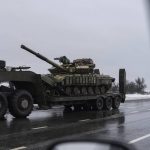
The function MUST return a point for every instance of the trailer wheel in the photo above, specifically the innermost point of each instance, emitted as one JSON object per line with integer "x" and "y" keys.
{"x": 116, "y": 102}
{"x": 3, "y": 105}
{"x": 108, "y": 103}
{"x": 21, "y": 104}
{"x": 99, "y": 104}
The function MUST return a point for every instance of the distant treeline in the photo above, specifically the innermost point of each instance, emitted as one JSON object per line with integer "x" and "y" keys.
{"x": 137, "y": 86}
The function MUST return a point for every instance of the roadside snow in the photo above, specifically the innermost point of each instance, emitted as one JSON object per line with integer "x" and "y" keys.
{"x": 137, "y": 96}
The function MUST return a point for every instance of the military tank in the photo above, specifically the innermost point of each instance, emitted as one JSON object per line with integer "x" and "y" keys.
{"x": 76, "y": 78}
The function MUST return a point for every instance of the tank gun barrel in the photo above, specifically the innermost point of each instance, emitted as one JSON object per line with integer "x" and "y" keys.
{"x": 42, "y": 57}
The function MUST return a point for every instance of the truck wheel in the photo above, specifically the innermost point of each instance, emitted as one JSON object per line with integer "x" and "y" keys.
{"x": 116, "y": 102}
{"x": 99, "y": 104}
{"x": 21, "y": 104}
{"x": 3, "y": 105}
{"x": 108, "y": 103}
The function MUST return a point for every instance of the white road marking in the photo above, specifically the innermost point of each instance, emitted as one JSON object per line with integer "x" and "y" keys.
{"x": 19, "y": 148}
{"x": 134, "y": 112}
{"x": 148, "y": 109}
{"x": 139, "y": 139}
{"x": 84, "y": 120}
{"x": 40, "y": 128}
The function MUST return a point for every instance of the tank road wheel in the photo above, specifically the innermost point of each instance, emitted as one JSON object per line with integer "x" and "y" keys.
{"x": 102, "y": 89}
{"x": 68, "y": 91}
{"x": 76, "y": 91}
{"x": 97, "y": 91}
{"x": 84, "y": 91}
{"x": 116, "y": 102}
{"x": 108, "y": 103}
{"x": 21, "y": 104}
{"x": 90, "y": 91}
{"x": 3, "y": 105}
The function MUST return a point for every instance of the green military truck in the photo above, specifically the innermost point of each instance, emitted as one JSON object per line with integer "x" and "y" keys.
{"x": 75, "y": 85}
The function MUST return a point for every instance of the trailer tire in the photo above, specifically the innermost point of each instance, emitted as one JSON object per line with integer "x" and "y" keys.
{"x": 99, "y": 104}
{"x": 21, "y": 104}
{"x": 108, "y": 103}
{"x": 116, "y": 102}
{"x": 3, "y": 105}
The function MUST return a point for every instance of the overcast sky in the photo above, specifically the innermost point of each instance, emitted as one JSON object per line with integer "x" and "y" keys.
{"x": 114, "y": 33}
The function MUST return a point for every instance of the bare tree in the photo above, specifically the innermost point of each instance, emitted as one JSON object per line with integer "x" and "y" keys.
{"x": 115, "y": 87}
{"x": 140, "y": 85}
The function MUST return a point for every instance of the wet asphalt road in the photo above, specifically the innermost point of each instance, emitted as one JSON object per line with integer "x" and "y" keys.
{"x": 131, "y": 123}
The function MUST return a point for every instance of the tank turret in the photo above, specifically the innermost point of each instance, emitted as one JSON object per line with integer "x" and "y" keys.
{"x": 80, "y": 66}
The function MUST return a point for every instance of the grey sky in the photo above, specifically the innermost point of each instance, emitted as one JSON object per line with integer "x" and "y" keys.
{"x": 112, "y": 32}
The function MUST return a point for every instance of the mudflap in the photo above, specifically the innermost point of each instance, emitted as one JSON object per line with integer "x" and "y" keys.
{"x": 122, "y": 84}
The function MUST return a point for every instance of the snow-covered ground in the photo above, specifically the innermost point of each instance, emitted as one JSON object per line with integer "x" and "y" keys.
{"x": 137, "y": 96}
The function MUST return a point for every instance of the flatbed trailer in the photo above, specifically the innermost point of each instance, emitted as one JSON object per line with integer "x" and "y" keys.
{"x": 83, "y": 99}
{"x": 87, "y": 103}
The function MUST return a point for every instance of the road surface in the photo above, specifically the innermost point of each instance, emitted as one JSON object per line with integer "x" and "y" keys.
{"x": 131, "y": 123}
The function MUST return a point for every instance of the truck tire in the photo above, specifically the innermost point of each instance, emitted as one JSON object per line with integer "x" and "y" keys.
{"x": 108, "y": 103}
{"x": 116, "y": 102}
{"x": 21, "y": 104}
{"x": 3, "y": 105}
